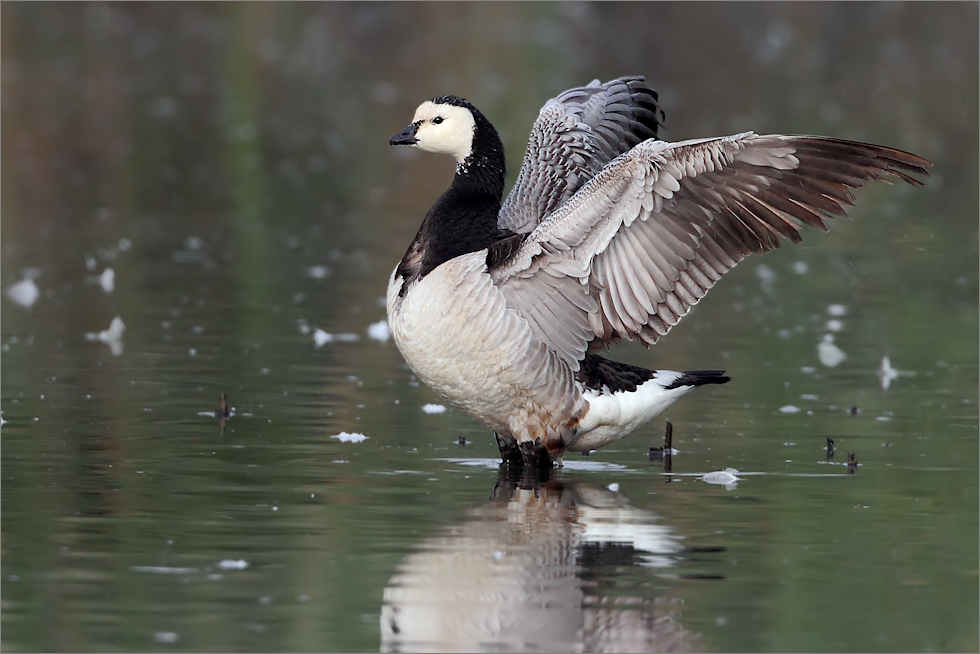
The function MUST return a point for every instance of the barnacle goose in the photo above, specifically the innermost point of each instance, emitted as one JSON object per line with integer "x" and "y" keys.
{"x": 608, "y": 233}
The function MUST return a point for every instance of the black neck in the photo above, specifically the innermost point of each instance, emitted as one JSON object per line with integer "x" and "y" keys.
{"x": 484, "y": 170}
{"x": 464, "y": 218}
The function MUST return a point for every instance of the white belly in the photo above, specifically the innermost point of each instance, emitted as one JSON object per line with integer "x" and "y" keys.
{"x": 451, "y": 328}
{"x": 458, "y": 335}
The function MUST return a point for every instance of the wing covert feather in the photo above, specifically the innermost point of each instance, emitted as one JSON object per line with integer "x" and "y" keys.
{"x": 635, "y": 247}
{"x": 575, "y": 135}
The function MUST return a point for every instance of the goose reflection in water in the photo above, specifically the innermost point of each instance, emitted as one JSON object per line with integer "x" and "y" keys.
{"x": 524, "y": 573}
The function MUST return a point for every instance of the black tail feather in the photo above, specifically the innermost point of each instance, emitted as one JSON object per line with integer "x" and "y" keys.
{"x": 596, "y": 372}
{"x": 700, "y": 378}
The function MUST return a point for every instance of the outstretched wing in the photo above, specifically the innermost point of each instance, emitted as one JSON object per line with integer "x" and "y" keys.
{"x": 574, "y": 137}
{"x": 644, "y": 240}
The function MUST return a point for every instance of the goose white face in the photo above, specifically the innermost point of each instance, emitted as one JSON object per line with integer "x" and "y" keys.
{"x": 445, "y": 128}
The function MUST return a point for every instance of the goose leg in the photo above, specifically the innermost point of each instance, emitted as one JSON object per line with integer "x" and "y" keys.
{"x": 510, "y": 452}
{"x": 536, "y": 455}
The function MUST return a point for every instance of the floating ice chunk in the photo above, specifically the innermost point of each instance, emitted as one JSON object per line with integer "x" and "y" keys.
{"x": 434, "y": 408}
{"x": 318, "y": 272}
{"x": 107, "y": 280}
{"x": 233, "y": 564}
{"x": 837, "y": 310}
{"x": 789, "y": 408}
{"x": 829, "y": 354}
{"x": 166, "y": 637}
{"x": 801, "y": 267}
{"x": 727, "y": 478}
{"x": 614, "y": 487}
{"x": 835, "y": 325}
{"x": 345, "y": 437}
{"x": 111, "y": 337}
{"x": 379, "y": 331}
{"x": 886, "y": 373}
{"x": 24, "y": 293}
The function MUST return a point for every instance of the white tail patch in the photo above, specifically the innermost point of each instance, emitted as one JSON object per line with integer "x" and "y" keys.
{"x": 613, "y": 415}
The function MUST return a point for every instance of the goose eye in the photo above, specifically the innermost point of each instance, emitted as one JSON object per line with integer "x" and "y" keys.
{"x": 437, "y": 120}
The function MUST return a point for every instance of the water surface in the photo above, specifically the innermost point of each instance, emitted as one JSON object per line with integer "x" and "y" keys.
{"x": 229, "y": 164}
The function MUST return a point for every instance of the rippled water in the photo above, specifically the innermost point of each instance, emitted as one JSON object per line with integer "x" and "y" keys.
{"x": 229, "y": 165}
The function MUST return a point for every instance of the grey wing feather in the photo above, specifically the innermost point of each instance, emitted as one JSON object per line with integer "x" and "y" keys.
{"x": 575, "y": 136}
{"x": 643, "y": 241}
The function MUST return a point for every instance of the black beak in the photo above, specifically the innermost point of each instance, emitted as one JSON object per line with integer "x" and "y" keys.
{"x": 406, "y": 136}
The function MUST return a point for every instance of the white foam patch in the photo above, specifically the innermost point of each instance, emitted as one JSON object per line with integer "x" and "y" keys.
{"x": 475, "y": 463}
{"x": 107, "y": 280}
{"x": 434, "y": 408}
{"x": 379, "y": 331}
{"x": 321, "y": 338}
{"x": 24, "y": 293}
{"x": 111, "y": 336}
{"x": 789, "y": 408}
{"x": 829, "y": 354}
{"x": 233, "y": 564}
{"x": 837, "y": 310}
{"x": 590, "y": 465}
{"x": 318, "y": 272}
{"x": 346, "y": 437}
{"x": 163, "y": 570}
{"x": 886, "y": 373}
